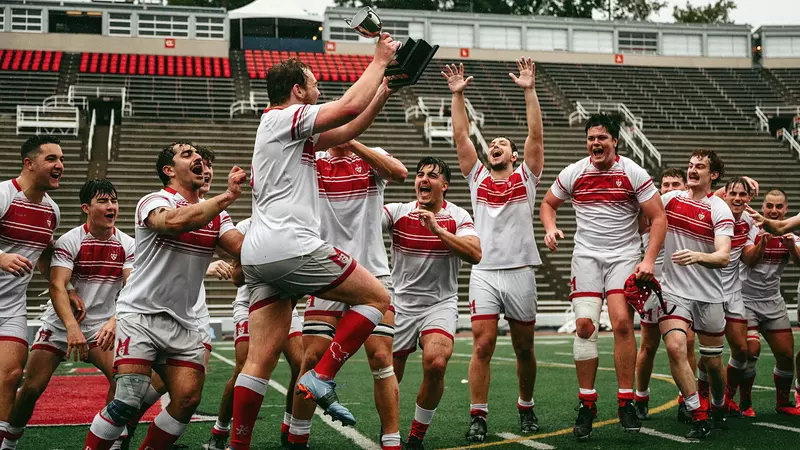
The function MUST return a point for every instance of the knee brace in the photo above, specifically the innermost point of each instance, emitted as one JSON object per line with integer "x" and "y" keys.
{"x": 131, "y": 389}
{"x": 711, "y": 351}
{"x": 752, "y": 335}
{"x": 319, "y": 329}
{"x": 383, "y": 330}
{"x": 380, "y": 374}
{"x": 586, "y": 308}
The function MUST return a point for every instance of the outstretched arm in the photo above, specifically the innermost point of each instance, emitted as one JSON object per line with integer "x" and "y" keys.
{"x": 467, "y": 156}
{"x": 352, "y": 130}
{"x": 387, "y": 167}
{"x": 534, "y": 143}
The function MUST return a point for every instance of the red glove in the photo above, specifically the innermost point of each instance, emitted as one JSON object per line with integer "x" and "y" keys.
{"x": 637, "y": 292}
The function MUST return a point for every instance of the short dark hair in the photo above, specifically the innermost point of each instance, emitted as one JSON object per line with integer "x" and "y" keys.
{"x": 739, "y": 180}
{"x": 674, "y": 172}
{"x": 33, "y": 143}
{"x": 206, "y": 153}
{"x": 94, "y": 187}
{"x": 282, "y": 77}
{"x": 775, "y": 191}
{"x": 715, "y": 163}
{"x": 443, "y": 167}
{"x": 603, "y": 120}
{"x": 165, "y": 158}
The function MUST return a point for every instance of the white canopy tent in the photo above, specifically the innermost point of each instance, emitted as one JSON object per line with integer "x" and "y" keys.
{"x": 267, "y": 9}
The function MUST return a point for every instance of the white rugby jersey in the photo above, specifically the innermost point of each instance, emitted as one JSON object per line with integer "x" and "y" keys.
{"x": 96, "y": 267}
{"x": 659, "y": 264}
{"x": 285, "y": 194}
{"x": 693, "y": 225}
{"x": 169, "y": 270}
{"x": 503, "y": 211}
{"x": 606, "y": 204}
{"x": 351, "y": 208}
{"x": 241, "y": 304}
{"x": 424, "y": 269}
{"x": 26, "y": 228}
{"x": 744, "y": 230}
{"x": 763, "y": 282}
{"x": 200, "y": 306}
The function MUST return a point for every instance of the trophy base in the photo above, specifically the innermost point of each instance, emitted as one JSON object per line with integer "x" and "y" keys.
{"x": 410, "y": 62}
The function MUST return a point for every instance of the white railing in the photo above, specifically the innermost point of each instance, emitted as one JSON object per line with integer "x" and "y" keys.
{"x": 479, "y": 137}
{"x": 91, "y": 135}
{"x": 51, "y": 120}
{"x": 582, "y": 113}
{"x": 793, "y": 110}
{"x": 64, "y": 100}
{"x": 77, "y": 90}
{"x": 763, "y": 120}
{"x": 257, "y": 100}
{"x": 786, "y": 136}
{"x": 110, "y": 135}
{"x": 438, "y": 128}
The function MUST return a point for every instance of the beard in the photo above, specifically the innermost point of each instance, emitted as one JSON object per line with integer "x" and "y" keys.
{"x": 500, "y": 166}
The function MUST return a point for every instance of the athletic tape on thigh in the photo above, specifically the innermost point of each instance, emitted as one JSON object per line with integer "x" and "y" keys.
{"x": 131, "y": 389}
{"x": 711, "y": 351}
{"x": 586, "y": 308}
{"x": 319, "y": 329}
{"x": 383, "y": 330}
{"x": 380, "y": 374}
{"x": 752, "y": 335}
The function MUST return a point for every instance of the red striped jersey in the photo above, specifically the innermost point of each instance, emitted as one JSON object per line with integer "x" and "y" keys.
{"x": 168, "y": 270}
{"x": 285, "y": 194}
{"x": 424, "y": 269}
{"x": 763, "y": 282}
{"x": 606, "y": 204}
{"x": 26, "y": 228}
{"x": 744, "y": 229}
{"x": 504, "y": 211}
{"x": 97, "y": 267}
{"x": 694, "y": 225}
{"x": 351, "y": 207}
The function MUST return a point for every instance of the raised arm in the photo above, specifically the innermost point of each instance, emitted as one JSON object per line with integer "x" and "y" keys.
{"x": 534, "y": 143}
{"x": 387, "y": 167}
{"x": 775, "y": 227}
{"x": 198, "y": 215}
{"x": 361, "y": 93}
{"x": 354, "y": 129}
{"x": 752, "y": 254}
{"x": 467, "y": 156}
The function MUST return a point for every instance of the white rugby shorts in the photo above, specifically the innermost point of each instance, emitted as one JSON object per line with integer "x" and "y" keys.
{"x": 508, "y": 291}
{"x": 148, "y": 339}
{"x": 54, "y": 339}
{"x": 440, "y": 318}
{"x": 14, "y": 329}
{"x": 599, "y": 276}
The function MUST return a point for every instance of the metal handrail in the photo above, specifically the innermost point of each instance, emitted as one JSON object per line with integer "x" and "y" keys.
{"x": 479, "y": 137}
{"x": 786, "y": 135}
{"x": 110, "y": 134}
{"x": 91, "y": 135}
{"x": 77, "y": 90}
{"x": 51, "y": 119}
{"x": 581, "y": 114}
{"x": 763, "y": 120}
{"x": 637, "y": 152}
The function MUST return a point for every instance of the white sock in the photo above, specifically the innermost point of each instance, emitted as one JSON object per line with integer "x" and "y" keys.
{"x": 222, "y": 426}
{"x": 370, "y": 312}
{"x": 169, "y": 424}
{"x": 255, "y": 384}
{"x": 479, "y": 407}
{"x": 701, "y": 375}
{"x": 692, "y": 402}
{"x": 645, "y": 393}
{"x": 523, "y": 403}
{"x": 587, "y": 391}
{"x": 287, "y": 418}
{"x": 299, "y": 427}
{"x": 104, "y": 429}
{"x": 391, "y": 440}
{"x": 424, "y": 416}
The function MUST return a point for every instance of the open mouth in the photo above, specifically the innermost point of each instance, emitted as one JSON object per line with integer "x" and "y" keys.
{"x": 206, "y": 180}
{"x": 55, "y": 175}
{"x": 497, "y": 154}
{"x": 597, "y": 152}
{"x": 425, "y": 189}
{"x": 197, "y": 169}
{"x": 111, "y": 216}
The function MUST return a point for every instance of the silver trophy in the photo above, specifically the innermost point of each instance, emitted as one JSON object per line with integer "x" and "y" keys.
{"x": 409, "y": 62}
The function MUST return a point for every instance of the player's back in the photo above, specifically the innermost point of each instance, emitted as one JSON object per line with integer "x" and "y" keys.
{"x": 285, "y": 194}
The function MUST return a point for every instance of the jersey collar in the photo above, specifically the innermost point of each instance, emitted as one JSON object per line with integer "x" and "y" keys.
{"x": 16, "y": 184}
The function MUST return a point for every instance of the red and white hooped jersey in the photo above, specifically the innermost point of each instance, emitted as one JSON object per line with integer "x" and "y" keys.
{"x": 351, "y": 208}
{"x": 606, "y": 204}
{"x": 504, "y": 211}
{"x": 744, "y": 230}
{"x": 168, "y": 270}
{"x": 424, "y": 269}
{"x": 763, "y": 282}
{"x": 26, "y": 228}
{"x": 97, "y": 267}
{"x": 694, "y": 225}
{"x": 285, "y": 193}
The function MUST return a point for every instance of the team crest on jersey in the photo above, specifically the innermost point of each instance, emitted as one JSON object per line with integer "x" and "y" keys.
{"x": 114, "y": 256}
{"x": 619, "y": 182}
{"x": 44, "y": 335}
{"x": 701, "y": 216}
{"x": 49, "y": 223}
{"x": 359, "y": 169}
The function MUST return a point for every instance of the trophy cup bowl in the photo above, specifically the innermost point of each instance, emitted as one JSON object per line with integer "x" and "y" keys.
{"x": 366, "y": 23}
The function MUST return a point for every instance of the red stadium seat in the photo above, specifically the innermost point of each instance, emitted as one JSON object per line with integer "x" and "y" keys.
{"x": 104, "y": 63}
{"x": 36, "y": 62}
{"x": 171, "y": 65}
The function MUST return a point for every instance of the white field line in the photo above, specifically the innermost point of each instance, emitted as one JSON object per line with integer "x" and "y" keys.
{"x": 671, "y": 437}
{"x": 530, "y": 443}
{"x": 777, "y": 427}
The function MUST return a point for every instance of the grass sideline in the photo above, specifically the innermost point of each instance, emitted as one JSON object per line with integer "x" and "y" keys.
{"x": 556, "y": 398}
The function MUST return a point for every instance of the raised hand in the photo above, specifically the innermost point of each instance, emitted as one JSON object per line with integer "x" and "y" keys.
{"x": 455, "y": 78}
{"x": 235, "y": 180}
{"x": 385, "y": 49}
{"x": 527, "y": 73}
{"x": 428, "y": 220}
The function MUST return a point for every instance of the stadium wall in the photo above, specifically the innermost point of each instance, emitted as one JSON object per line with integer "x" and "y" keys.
{"x": 111, "y": 44}
{"x": 451, "y": 53}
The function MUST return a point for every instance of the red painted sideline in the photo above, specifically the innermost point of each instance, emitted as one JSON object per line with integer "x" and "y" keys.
{"x": 74, "y": 400}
